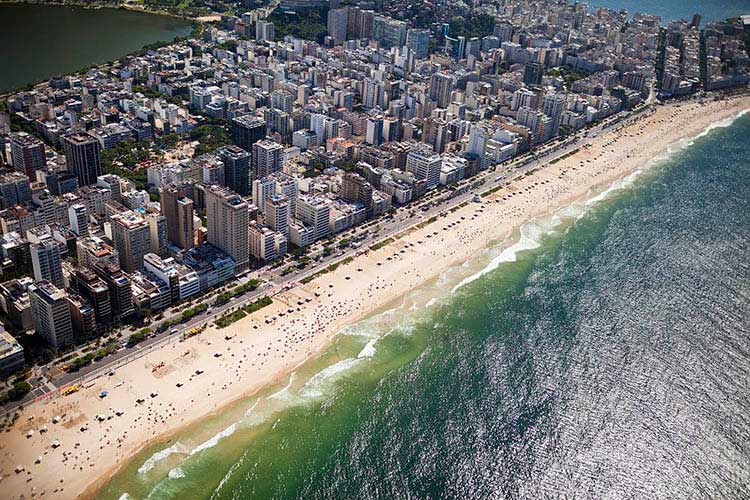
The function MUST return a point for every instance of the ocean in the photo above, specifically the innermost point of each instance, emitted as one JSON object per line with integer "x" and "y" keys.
{"x": 710, "y": 10}
{"x": 603, "y": 354}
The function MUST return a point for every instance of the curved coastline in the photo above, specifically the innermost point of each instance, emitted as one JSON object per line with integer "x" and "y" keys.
{"x": 564, "y": 184}
{"x": 594, "y": 192}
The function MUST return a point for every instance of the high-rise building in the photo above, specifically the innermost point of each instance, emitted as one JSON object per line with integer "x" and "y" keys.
{"x": 356, "y": 189}
{"x": 282, "y": 100}
{"x": 49, "y": 308}
{"x": 533, "y": 73}
{"x": 236, "y": 168}
{"x": 277, "y": 214}
{"x": 441, "y": 87}
{"x": 264, "y": 31}
{"x": 212, "y": 170}
{"x": 391, "y": 129}
{"x": 177, "y": 208}
{"x": 78, "y": 217}
{"x": 425, "y": 164}
{"x": 373, "y": 94}
{"x": 268, "y": 157}
{"x": 389, "y": 32}
{"x": 95, "y": 291}
{"x": 132, "y": 238}
{"x": 536, "y": 121}
{"x": 82, "y": 317}
{"x": 553, "y": 106}
{"x": 266, "y": 244}
{"x": 113, "y": 183}
{"x": 262, "y": 190}
{"x": 83, "y": 156}
{"x": 315, "y": 212}
{"x": 337, "y": 24}
{"x": 27, "y": 154}
{"x": 524, "y": 98}
{"x": 120, "y": 288}
{"x": 418, "y": 41}
{"x": 15, "y": 189}
{"x": 478, "y": 139}
{"x": 227, "y": 218}
{"x": 158, "y": 232}
{"x": 246, "y": 131}
{"x": 374, "y": 135}
{"x": 46, "y": 262}
{"x": 93, "y": 250}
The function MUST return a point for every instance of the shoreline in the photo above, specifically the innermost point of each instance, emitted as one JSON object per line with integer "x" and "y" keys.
{"x": 28, "y": 86}
{"x": 415, "y": 258}
{"x": 103, "y": 5}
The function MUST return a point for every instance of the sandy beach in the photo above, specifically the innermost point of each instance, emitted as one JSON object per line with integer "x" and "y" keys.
{"x": 255, "y": 353}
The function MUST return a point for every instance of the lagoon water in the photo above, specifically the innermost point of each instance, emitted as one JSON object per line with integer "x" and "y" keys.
{"x": 40, "y": 41}
{"x": 604, "y": 355}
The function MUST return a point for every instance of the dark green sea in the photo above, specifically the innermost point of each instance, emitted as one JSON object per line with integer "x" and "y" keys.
{"x": 604, "y": 354}
{"x": 40, "y": 41}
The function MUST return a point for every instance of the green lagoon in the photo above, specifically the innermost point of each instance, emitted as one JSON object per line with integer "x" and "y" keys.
{"x": 40, "y": 41}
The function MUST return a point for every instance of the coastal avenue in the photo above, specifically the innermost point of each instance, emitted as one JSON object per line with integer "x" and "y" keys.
{"x": 45, "y": 384}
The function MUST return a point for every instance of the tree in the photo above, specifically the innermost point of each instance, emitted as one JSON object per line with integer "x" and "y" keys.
{"x": 210, "y": 138}
{"x": 19, "y": 390}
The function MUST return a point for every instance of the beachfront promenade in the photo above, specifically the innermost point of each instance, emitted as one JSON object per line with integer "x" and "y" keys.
{"x": 49, "y": 386}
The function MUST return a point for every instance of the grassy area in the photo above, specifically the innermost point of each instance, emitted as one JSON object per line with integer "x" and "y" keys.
{"x": 79, "y": 362}
{"x": 378, "y": 246}
{"x": 237, "y": 315}
{"x": 186, "y": 315}
{"x": 230, "y": 318}
{"x": 238, "y": 290}
{"x": 328, "y": 269}
{"x": 569, "y": 153}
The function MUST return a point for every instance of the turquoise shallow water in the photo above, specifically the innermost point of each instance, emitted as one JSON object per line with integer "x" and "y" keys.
{"x": 611, "y": 361}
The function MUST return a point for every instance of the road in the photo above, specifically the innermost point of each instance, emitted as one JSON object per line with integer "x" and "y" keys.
{"x": 50, "y": 378}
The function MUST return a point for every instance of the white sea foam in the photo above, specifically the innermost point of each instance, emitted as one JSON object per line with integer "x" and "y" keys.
{"x": 161, "y": 455}
{"x": 368, "y": 350}
{"x": 316, "y": 385}
{"x": 722, "y": 123}
{"x": 229, "y": 473}
{"x": 214, "y": 440}
{"x": 176, "y": 473}
{"x": 531, "y": 235}
{"x": 250, "y": 410}
{"x": 284, "y": 390}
